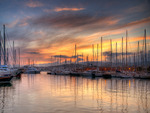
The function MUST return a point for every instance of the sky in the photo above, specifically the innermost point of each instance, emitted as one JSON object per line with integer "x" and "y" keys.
{"x": 45, "y": 28}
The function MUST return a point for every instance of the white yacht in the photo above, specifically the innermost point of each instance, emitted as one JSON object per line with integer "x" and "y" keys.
{"x": 5, "y": 73}
{"x": 32, "y": 70}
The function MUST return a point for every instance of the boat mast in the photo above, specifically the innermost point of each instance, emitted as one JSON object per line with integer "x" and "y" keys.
{"x": 101, "y": 51}
{"x": 60, "y": 59}
{"x": 122, "y": 51}
{"x": 33, "y": 62}
{"x": 87, "y": 59}
{"x": 29, "y": 61}
{"x": 111, "y": 51}
{"x": 0, "y": 47}
{"x": 134, "y": 61}
{"x": 138, "y": 53}
{"x": 19, "y": 57}
{"x": 75, "y": 53}
{"x": 126, "y": 46}
{"x": 97, "y": 54}
{"x": 7, "y": 55}
{"x": 13, "y": 55}
{"x": 145, "y": 48}
{"x": 93, "y": 51}
{"x": 116, "y": 54}
{"x": 4, "y": 45}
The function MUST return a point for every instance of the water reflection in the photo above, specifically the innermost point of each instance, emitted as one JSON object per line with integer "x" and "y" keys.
{"x": 104, "y": 95}
{"x": 61, "y": 94}
{"x": 4, "y": 95}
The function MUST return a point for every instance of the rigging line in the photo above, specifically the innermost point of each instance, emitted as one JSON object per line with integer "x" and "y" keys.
{"x": 9, "y": 46}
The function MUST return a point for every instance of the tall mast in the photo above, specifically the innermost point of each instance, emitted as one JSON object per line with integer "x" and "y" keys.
{"x": 7, "y": 56}
{"x": 138, "y": 53}
{"x": 126, "y": 46}
{"x": 51, "y": 61}
{"x": 33, "y": 62}
{"x": 134, "y": 60}
{"x": 111, "y": 51}
{"x": 97, "y": 54}
{"x": 19, "y": 57}
{"x": 60, "y": 59}
{"x": 87, "y": 59}
{"x": 13, "y": 55}
{"x": 0, "y": 48}
{"x": 122, "y": 51}
{"x": 145, "y": 48}
{"x": 93, "y": 51}
{"x": 101, "y": 50}
{"x": 75, "y": 53}
{"x": 4, "y": 46}
{"x": 82, "y": 58}
{"x": 77, "y": 58}
{"x": 116, "y": 53}
{"x": 29, "y": 61}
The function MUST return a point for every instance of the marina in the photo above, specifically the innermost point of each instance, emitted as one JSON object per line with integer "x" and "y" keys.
{"x": 107, "y": 86}
{"x": 74, "y": 56}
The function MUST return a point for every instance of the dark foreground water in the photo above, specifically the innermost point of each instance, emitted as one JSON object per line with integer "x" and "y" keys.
{"x": 44, "y": 93}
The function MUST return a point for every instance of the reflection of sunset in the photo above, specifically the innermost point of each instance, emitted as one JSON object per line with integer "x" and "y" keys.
{"x": 86, "y": 92}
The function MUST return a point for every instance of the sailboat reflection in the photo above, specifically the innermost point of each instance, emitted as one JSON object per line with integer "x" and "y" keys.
{"x": 4, "y": 89}
{"x": 104, "y": 95}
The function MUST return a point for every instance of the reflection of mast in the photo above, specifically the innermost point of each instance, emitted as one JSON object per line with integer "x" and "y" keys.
{"x": 116, "y": 95}
{"x": 101, "y": 97}
{"x": 122, "y": 96}
{"x": 126, "y": 98}
{"x": 146, "y": 99}
{"x": 3, "y": 101}
{"x": 111, "y": 96}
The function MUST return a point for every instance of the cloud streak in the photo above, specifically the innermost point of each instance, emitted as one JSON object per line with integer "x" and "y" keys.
{"x": 58, "y": 9}
{"x": 33, "y": 4}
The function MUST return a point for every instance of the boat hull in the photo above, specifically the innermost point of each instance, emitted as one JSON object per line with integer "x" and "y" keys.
{"x": 6, "y": 78}
{"x": 32, "y": 72}
{"x": 106, "y": 75}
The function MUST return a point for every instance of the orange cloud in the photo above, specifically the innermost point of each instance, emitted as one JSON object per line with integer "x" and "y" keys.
{"x": 34, "y": 4}
{"x": 67, "y": 9}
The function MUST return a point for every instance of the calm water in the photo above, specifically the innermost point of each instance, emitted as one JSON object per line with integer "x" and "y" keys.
{"x": 44, "y": 93}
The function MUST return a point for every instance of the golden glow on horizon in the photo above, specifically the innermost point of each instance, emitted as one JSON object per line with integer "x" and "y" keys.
{"x": 68, "y": 50}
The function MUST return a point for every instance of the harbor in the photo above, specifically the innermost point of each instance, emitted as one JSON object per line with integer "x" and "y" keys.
{"x": 74, "y": 56}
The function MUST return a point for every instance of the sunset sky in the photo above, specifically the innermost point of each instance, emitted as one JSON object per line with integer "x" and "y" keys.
{"x": 45, "y": 28}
